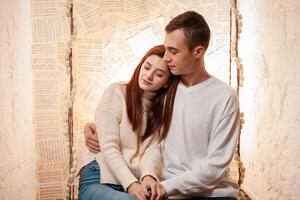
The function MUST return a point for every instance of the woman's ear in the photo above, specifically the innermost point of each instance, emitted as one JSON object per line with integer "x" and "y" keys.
{"x": 199, "y": 51}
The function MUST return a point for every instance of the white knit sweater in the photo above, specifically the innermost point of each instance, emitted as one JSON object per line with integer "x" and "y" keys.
{"x": 122, "y": 160}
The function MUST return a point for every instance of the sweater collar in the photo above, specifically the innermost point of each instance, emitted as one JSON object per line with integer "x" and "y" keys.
{"x": 196, "y": 86}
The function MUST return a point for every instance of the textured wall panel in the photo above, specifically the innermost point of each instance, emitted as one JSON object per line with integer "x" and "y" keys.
{"x": 17, "y": 141}
{"x": 270, "y": 142}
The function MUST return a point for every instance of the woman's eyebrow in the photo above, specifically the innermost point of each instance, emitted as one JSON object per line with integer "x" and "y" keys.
{"x": 161, "y": 70}
{"x": 147, "y": 62}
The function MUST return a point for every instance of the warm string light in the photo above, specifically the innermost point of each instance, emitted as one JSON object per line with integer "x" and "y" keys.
{"x": 69, "y": 102}
{"x": 68, "y": 113}
{"x": 237, "y": 17}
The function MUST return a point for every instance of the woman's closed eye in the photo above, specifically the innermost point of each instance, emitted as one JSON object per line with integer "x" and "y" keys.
{"x": 147, "y": 67}
{"x": 159, "y": 74}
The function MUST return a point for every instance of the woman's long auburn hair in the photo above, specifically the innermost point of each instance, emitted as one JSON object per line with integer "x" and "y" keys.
{"x": 160, "y": 112}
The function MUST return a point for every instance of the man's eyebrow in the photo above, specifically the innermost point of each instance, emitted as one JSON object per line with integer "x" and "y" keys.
{"x": 172, "y": 48}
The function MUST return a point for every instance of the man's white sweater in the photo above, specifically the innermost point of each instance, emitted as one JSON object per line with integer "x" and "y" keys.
{"x": 201, "y": 141}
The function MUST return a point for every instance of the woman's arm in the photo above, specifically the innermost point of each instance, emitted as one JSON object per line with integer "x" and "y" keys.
{"x": 108, "y": 118}
{"x": 151, "y": 159}
{"x": 149, "y": 164}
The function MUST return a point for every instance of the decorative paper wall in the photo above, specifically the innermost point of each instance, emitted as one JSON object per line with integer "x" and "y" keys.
{"x": 111, "y": 37}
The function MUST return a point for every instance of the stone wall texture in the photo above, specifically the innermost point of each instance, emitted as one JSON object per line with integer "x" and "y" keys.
{"x": 17, "y": 145}
{"x": 270, "y": 141}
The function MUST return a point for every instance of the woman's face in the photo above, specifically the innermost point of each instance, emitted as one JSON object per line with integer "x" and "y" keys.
{"x": 154, "y": 74}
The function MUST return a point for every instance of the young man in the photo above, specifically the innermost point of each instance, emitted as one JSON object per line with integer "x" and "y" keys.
{"x": 205, "y": 123}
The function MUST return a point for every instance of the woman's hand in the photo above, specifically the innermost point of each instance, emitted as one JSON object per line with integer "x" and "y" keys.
{"x": 136, "y": 190}
{"x": 153, "y": 188}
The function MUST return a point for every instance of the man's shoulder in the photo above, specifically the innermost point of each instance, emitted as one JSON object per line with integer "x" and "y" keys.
{"x": 219, "y": 84}
{"x": 222, "y": 92}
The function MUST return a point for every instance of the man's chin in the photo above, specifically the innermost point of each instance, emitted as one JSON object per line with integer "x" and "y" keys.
{"x": 175, "y": 73}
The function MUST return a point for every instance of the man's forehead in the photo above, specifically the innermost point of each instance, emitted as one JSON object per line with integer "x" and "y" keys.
{"x": 174, "y": 39}
{"x": 170, "y": 40}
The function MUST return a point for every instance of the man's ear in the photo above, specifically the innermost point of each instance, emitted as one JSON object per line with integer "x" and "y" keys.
{"x": 199, "y": 51}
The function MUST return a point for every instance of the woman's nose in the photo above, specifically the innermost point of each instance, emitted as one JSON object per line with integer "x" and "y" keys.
{"x": 150, "y": 76}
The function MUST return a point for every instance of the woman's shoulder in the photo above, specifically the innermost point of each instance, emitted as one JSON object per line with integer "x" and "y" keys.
{"x": 117, "y": 86}
{"x": 115, "y": 89}
{"x": 113, "y": 96}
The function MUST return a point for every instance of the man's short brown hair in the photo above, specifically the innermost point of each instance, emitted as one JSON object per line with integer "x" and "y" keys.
{"x": 195, "y": 28}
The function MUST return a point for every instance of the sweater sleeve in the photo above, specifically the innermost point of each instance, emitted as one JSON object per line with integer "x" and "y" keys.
{"x": 108, "y": 118}
{"x": 150, "y": 159}
{"x": 209, "y": 170}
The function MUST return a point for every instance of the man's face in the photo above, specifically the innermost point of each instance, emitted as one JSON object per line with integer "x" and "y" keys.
{"x": 179, "y": 58}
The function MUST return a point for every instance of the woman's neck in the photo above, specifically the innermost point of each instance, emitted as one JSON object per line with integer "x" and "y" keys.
{"x": 149, "y": 95}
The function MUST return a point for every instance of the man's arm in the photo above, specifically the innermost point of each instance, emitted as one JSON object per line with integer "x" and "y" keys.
{"x": 148, "y": 164}
{"x": 91, "y": 138}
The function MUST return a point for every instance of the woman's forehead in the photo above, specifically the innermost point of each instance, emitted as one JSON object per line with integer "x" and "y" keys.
{"x": 157, "y": 62}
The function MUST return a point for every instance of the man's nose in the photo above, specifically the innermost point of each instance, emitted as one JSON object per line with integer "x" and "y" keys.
{"x": 166, "y": 58}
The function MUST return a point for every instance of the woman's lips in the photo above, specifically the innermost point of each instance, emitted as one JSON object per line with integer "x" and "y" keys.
{"x": 147, "y": 82}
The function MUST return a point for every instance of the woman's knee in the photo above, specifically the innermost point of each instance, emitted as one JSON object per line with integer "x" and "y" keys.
{"x": 102, "y": 192}
{"x": 90, "y": 192}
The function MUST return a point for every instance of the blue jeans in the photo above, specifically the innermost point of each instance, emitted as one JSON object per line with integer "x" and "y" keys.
{"x": 209, "y": 198}
{"x": 90, "y": 187}
{"x": 212, "y": 198}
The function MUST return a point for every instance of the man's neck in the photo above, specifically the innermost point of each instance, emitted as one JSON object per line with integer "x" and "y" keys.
{"x": 199, "y": 75}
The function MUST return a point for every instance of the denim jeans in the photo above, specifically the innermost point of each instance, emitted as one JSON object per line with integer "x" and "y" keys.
{"x": 212, "y": 198}
{"x": 209, "y": 198}
{"x": 90, "y": 187}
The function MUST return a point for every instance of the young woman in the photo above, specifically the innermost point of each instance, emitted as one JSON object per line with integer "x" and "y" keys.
{"x": 132, "y": 119}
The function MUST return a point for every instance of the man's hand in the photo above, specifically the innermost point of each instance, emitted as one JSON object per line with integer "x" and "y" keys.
{"x": 162, "y": 190}
{"x": 91, "y": 138}
{"x": 156, "y": 190}
{"x": 136, "y": 190}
